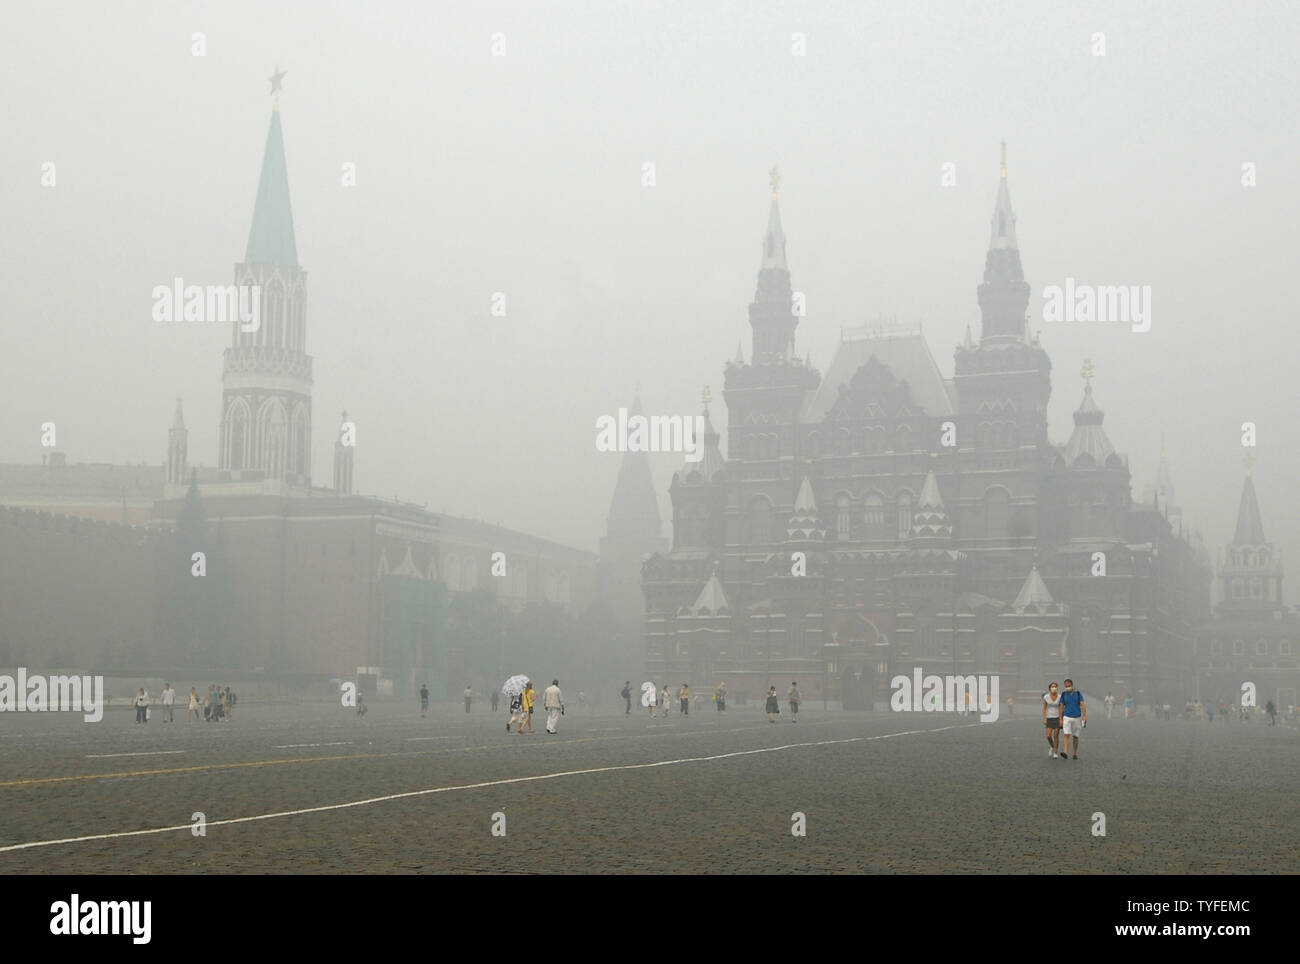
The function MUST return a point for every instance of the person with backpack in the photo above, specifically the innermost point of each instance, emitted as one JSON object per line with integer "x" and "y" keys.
{"x": 1074, "y": 717}
{"x": 627, "y": 696}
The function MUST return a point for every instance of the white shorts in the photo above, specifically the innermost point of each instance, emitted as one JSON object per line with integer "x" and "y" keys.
{"x": 1072, "y": 725}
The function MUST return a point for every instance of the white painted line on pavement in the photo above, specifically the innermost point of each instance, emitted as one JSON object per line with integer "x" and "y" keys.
{"x": 477, "y": 786}
{"x": 294, "y": 746}
{"x": 105, "y": 756}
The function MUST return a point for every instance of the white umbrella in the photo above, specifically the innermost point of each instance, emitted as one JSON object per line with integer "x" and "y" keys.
{"x": 647, "y": 694}
{"x": 514, "y": 686}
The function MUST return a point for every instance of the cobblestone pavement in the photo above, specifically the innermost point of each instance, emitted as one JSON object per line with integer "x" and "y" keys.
{"x": 902, "y": 793}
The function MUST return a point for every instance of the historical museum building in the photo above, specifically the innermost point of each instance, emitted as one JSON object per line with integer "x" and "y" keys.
{"x": 880, "y": 518}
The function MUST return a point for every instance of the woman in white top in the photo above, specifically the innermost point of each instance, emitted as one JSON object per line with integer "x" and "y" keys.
{"x": 194, "y": 704}
{"x": 1052, "y": 719}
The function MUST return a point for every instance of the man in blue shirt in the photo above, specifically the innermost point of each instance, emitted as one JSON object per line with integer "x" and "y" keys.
{"x": 1074, "y": 717}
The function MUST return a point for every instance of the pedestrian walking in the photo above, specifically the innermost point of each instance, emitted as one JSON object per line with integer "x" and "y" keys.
{"x": 1074, "y": 717}
{"x": 228, "y": 705}
{"x": 496, "y": 700}
{"x": 582, "y": 698}
{"x": 1128, "y": 707}
{"x": 664, "y": 699}
{"x": 194, "y": 705}
{"x": 720, "y": 697}
{"x": 1169, "y": 712}
{"x": 773, "y": 707}
{"x": 468, "y": 695}
{"x": 361, "y": 704}
{"x": 627, "y": 696}
{"x": 553, "y": 701}
{"x": 794, "y": 699}
{"x": 1271, "y": 710}
{"x": 1110, "y": 704}
{"x": 526, "y": 698}
{"x": 168, "y": 702}
{"x": 684, "y": 694}
{"x": 142, "y": 706}
{"x": 1052, "y": 718}
{"x": 1011, "y": 707}
{"x": 424, "y": 700}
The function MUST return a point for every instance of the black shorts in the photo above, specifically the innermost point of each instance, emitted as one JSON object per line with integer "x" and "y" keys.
{"x": 1054, "y": 724}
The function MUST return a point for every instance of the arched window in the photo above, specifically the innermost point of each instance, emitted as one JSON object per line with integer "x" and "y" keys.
{"x": 760, "y": 521}
{"x": 873, "y": 516}
{"x": 997, "y": 509}
{"x": 843, "y": 441}
{"x": 843, "y": 518}
{"x": 903, "y": 439}
{"x": 238, "y": 435}
{"x": 904, "y": 515}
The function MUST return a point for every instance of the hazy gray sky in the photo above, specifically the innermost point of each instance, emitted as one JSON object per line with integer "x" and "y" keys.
{"x": 522, "y": 174}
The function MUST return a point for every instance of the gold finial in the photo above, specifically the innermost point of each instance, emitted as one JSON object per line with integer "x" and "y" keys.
{"x": 1088, "y": 372}
{"x": 774, "y": 176}
{"x": 1250, "y": 464}
{"x": 1004, "y": 160}
{"x": 706, "y": 396}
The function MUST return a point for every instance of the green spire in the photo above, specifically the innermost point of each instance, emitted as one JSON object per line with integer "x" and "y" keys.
{"x": 271, "y": 239}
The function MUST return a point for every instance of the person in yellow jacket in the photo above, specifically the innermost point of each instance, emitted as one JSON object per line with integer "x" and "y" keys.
{"x": 526, "y": 700}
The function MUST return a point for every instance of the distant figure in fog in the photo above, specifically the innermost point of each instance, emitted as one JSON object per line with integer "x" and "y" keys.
{"x": 469, "y": 695}
{"x": 424, "y": 700}
{"x": 720, "y": 697}
{"x": 1110, "y": 704}
{"x": 773, "y": 707}
{"x": 627, "y": 697}
{"x": 168, "y": 702}
{"x": 194, "y": 705}
{"x": 142, "y": 706}
{"x": 794, "y": 699}
{"x": 361, "y": 704}
{"x": 553, "y": 701}
{"x": 1271, "y": 710}
{"x": 1128, "y": 707}
{"x": 495, "y": 700}
{"x": 684, "y": 694}
{"x": 1169, "y": 711}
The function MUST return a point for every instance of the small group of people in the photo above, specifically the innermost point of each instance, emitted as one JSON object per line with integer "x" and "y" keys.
{"x": 1064, "y": 715}
{"x": 774, "y": 707}
{"x": 521, "y": 708}
{"x": 217, "y": 706}
{"x": 664, "y": 699}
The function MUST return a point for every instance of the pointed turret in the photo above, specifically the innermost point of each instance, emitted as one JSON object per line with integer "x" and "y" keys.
{"x": 805, "y": 523}
{"x": 771, "y": 314}
{"x": 930, "y": 521}
{"x": 707, "y": 458}
{"x": 1033, "y": 594}
{"x": 1088, "y": 446}
{"x": 267, "y": 376}
{"x": 634, "y": 508}
{"x": 712, "y": 601}
{"x": 1004, "y": 295}
{"x": 1251, "y": 575}
{"x": 177, "y": 445}
{"x": 1250, "y": 526}
{"x": 271, "y": 240}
